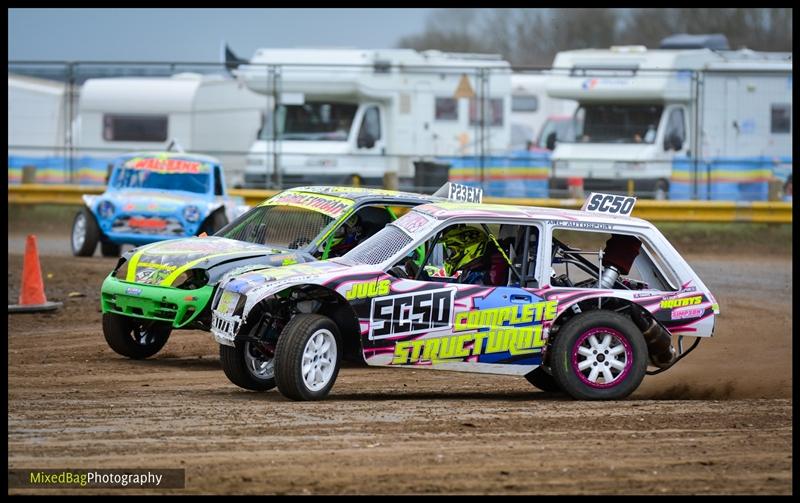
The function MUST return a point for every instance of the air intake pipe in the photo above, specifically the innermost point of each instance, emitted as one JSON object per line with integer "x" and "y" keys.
{"x": 618, "y": 257}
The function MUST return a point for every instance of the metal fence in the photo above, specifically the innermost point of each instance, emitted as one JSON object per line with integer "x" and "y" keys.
{"x": 404, "y": 126}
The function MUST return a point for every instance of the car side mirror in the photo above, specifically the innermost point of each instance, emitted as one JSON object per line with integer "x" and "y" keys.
{"x": 550, "y": 142}
{"x": 366, "y": 141}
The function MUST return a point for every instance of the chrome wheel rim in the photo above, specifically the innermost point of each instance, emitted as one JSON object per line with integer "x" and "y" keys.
{"x": 319, "y": 358}
{"x": 79, "y": 232}
{"x": 258, "y": 364}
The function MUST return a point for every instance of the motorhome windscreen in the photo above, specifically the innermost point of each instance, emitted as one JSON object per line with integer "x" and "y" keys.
{"x": 284, "y": 226}
{"x": 564, "y": 130}
{"x": 169, "y": 174}
{"x": 617, "y": 123}
{"x": 313, "y": 121}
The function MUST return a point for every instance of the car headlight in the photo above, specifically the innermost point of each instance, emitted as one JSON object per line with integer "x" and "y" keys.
{"x": 191, "y": 279}
{"x": 105, "y": 209}
{"x": 121, "y": 271}
{"x": 191, "y": 213}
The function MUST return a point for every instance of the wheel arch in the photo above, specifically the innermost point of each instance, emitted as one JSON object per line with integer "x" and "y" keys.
{"x": 310, "y": 299}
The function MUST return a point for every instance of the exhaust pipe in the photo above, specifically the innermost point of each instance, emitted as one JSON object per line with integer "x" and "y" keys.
{"x": 659, "y": 342}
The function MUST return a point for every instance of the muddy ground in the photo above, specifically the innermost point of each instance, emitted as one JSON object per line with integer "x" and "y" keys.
{"x": 720, "y": 422}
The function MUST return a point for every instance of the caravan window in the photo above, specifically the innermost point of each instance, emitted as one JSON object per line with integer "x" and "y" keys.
{"x": 446, "y": 109}
{"x": 619, "y": 123}
{"x": 144, "y": 128}
{"x": 494, "y": 111}
{"x": 525, "y": 103}
{"x": 781, "y": 118}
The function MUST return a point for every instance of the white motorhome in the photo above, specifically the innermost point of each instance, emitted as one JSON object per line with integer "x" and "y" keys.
{"x": 531, "y": 107}
{"x": 206, "y": 114}
{"x": 345, "y": 113}
{"x": 641, "y": 109}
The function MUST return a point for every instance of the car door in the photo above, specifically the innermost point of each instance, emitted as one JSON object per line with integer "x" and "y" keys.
{"x": 438, "y": 322}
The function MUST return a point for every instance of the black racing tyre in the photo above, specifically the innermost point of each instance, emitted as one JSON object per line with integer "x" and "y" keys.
{"x": 307, "y": 357}
{"x": 214, "y": 222}
{"x": 599, "y": 355}
{"x": 542, "y": 380}
{"x": 109, "y": 249}
{"x": 249, "y": 365}
{"x": 133, "y": 337}
{"x": 85, "y": 234}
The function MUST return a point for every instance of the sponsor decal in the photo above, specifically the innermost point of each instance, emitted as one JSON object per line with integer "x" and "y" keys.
{"x": 227, "y": 302}
{"x": 581, "y": 225}
{"x": 327, "y": 205}
{"x": 517, "y": 341}
{"x": 691, "y": 312}
{"x": 503, "y": 336}
{"x": 414, "y": 222}
{"x": 367, "y": 289}
{"x": 408, "y": 314}
{"x": 171, "y": 166}
{"x": 131, "y": 290}
{"x": 673, "y": 303}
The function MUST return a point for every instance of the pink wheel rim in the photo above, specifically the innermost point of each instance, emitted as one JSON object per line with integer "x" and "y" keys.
{"x": 602, "y": 357}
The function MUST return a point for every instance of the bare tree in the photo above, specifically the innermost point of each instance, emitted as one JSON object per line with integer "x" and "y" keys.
{"x": 533, "y": 36}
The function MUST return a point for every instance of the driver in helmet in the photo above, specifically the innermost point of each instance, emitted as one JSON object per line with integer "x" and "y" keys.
{"x": 346, "y": 237}
{"x": 465, "y": 250}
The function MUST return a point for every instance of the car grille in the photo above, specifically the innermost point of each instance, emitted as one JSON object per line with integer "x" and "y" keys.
{"x": 172, "y": 226}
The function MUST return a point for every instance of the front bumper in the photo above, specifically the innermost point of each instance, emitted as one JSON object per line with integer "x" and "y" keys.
{"x": 158, "y": 303}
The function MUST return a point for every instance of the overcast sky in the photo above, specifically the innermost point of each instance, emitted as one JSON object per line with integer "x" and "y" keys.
{"x": 195, "y": 34}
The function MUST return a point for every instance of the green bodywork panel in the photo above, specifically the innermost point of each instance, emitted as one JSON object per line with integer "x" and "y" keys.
{"x": 157, "y": 303}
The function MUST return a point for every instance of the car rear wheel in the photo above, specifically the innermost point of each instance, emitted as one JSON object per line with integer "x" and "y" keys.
{"x": 85, "y": 234}
{"x": 133, "y": 337}
{"x": 599, "y": 355}
{"x": 249, "y": 365}
{"x": 307, "y": 357}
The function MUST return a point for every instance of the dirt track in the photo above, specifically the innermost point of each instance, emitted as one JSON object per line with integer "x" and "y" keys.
{"x": 719, "y": 422}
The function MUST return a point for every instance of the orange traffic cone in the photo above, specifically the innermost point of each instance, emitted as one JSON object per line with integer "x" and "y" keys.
{"x": 31, "y": 297}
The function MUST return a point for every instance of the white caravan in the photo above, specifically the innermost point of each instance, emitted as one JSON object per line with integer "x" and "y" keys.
{"x": 531, "y": 107}
{"x": 205, "y": 114}
{"x": 36, "y": 116}
{"x": 345, "y": 113}
{"x": 643, "y": 108}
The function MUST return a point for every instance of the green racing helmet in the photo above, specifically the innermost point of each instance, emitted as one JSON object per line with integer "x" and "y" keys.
{"x": 462, "y": 247}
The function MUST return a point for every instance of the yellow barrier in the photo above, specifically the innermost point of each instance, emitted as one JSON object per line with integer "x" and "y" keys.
{"x": 654, "y": 211}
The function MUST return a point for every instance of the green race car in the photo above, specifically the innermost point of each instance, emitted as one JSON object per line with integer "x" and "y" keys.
{"x": 163, "y": 286}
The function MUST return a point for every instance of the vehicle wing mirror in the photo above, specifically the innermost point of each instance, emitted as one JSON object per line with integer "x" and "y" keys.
{"x": 366, "y": 141}
{"x": 550, "y": 142}
{"x": 673, "y": 142}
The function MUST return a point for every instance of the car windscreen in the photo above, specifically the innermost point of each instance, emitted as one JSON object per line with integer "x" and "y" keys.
{"x": 165, "y": 174}
{"x": 617, "y": 123}
{"x": 284, "y": 226}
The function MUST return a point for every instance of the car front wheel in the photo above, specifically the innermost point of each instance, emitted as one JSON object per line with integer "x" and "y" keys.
{"x": 85, "y": 234}
{"x": 307, "y": 357}
{"x": 249, "y": 365}
{"x": 133, "y": 337}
